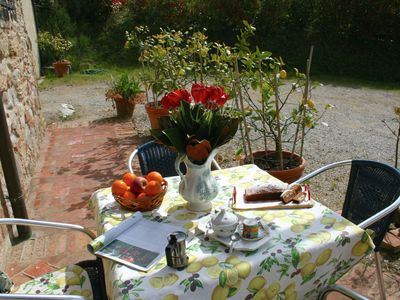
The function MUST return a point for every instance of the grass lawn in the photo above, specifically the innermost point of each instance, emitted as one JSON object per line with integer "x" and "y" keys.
{"x": 109, "y": 71}
{"x": 77, "y": 78}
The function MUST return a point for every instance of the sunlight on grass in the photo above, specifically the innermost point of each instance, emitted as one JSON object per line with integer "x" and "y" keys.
{"x": 77, "y": 78}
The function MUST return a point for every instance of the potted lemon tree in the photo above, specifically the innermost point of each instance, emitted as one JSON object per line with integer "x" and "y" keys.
{"x": 56, "y": 47}
{"x": 125, "y": 93}
{"x": 277, "y": 118}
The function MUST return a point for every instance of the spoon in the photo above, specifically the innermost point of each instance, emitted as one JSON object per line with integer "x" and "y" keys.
{"x": 208, "y": 227}
{"x": 234, "y": 238}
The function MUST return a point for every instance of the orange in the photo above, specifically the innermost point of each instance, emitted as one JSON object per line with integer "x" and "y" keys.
{"x": 153, "y": 188}
{"x": 119, "y": 187}
{"x": 141, "y": 196}
{"x": 154, "y": 175}
{"x": 128, "y": 178}
{"x": 129, "y": 197}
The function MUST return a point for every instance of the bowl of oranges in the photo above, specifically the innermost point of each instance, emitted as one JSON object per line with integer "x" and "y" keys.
{"x": 140, "y": 193}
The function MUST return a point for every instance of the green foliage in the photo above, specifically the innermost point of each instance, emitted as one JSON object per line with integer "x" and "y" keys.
{"x": 54, "y": 46}
{"x": 126, "y": 86}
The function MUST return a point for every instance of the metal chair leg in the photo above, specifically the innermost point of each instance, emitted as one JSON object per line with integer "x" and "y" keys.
{"x": 380, "y": 275}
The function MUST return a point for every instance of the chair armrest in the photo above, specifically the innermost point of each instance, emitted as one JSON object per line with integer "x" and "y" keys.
{"x": 41, "y": 296}
{"x": 321, "y": 170}
{"x": 341, "y": 289}
{"x": 36, "y": 223}
{"x": 130, "y": 160}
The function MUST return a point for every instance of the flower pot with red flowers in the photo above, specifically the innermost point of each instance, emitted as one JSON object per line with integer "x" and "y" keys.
{"x": 197, "y": 124}
{"x": 125, "y": 93}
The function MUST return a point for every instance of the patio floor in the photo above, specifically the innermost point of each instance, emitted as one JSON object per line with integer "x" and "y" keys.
{"x": 74, "y": 163}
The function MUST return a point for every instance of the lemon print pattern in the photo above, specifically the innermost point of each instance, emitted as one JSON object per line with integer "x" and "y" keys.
{"x": 290, "y": 289}
{"x": 360, "y": 248}
{"x": 305, "y": 258}
{"x": 243, "y": 268}
{"x": 160, "y": 282}
{"x": 256, "y": 284}
{"x": 194, "y": 267}
{"x": 71, "y": 280}
{"x": 272, "y": 290}
{"x": 323, "y": 257}
{"x": 214, "y": 271}
{"x": 170, "y": 297}
{"x": 209, "y": 261}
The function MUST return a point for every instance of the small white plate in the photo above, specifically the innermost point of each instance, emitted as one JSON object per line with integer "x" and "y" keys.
{"x": 243, "y": 244}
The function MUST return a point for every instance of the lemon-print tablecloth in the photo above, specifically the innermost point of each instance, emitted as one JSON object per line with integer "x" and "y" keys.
{"x": 308, "y": 249}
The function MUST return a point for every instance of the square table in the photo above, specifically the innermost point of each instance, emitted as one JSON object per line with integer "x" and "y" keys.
{"x": 308, "y": 249}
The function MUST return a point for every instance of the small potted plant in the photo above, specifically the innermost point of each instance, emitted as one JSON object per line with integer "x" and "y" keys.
{"x": 125, "y": 93}
{"x": 56, "y": 47}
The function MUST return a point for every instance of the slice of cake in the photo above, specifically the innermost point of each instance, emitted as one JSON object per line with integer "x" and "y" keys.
{"x": 265, "y": 191}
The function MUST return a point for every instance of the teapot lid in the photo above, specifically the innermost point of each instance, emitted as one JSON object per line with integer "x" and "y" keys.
{"x": 222, "y": 216}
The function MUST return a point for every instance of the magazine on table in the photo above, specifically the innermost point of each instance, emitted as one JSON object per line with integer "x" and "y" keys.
{"x": 136, "y": 242}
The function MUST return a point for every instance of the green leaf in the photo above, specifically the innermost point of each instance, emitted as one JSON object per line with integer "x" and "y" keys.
{"x": 232, "y": 291}
{"x": 295, "y": 257}
{"x": 82, "y": 280}
{"x": 308, "y": 278}
{"x": 222, "y": 279}
{"x": 53, "y": 286}
{"x": 125, "y": 297}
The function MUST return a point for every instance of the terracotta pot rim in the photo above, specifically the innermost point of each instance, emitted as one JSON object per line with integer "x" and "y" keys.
{"x": 285, "y": 153}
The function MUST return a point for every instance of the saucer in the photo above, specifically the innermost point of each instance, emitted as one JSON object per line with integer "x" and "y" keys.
{"x": 243, "y": 244}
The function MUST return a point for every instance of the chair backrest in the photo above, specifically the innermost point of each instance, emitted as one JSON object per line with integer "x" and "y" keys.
{"x": 157, "y": 157}
{"x": 372, "y": 187}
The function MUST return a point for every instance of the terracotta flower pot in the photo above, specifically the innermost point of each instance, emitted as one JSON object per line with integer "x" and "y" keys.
{"x": 124, "y": 109}
{"x": 288, "y": 175}
{"x": 154, "y": 113}
{"x": 61, "y": 67}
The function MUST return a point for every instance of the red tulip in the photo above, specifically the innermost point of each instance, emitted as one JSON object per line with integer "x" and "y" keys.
{"x": 173, "y": 99}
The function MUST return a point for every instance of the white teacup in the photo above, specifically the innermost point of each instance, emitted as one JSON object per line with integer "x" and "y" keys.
{"x": 223, "y": 222}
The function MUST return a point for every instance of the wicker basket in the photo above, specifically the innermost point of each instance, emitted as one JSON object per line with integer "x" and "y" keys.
{"x": 144, "y": 204}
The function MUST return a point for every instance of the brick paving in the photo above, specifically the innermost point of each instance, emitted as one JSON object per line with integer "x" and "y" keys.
{"x": 75, "y": 162}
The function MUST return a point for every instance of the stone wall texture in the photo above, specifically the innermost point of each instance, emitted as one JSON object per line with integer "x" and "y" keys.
{"x": 18, "y": 88}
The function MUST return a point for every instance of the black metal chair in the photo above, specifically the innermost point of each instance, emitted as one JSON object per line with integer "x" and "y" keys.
{"x": 94, "y": 268}
{"x": 372, "y": 197}
{"x": 154, "y": 156}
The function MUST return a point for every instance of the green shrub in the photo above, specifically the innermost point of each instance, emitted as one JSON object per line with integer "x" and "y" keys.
{"x": 126, "y": 86}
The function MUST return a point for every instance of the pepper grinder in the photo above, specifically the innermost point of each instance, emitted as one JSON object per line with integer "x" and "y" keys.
{"x": 175, "y": 251}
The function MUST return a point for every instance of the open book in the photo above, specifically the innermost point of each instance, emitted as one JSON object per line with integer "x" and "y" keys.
{"x": 136, "y": 242}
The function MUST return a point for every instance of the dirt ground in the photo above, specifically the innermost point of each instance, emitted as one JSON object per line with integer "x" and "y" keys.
{"x": 353, "y": 129}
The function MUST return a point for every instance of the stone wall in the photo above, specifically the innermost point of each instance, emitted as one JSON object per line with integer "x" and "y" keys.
{"x": 18, "y": 88}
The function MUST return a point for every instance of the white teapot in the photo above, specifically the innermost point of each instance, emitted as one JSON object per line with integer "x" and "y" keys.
{"x": 223, "y": 222}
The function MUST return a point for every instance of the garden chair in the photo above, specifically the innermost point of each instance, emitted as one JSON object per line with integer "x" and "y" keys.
{"x": 84, "y": 280}
{"x": 154, "y": 156}
{"x": 372, "y": 197}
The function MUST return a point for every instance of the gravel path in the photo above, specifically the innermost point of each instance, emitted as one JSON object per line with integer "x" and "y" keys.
{"x": 353, "y": 129}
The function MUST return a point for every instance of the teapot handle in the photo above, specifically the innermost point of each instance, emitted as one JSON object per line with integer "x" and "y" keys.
{"x": 178, "y": 161}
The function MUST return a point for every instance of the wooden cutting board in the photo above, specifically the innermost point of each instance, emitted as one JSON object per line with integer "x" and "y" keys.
{"x": 241, "y": 204}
